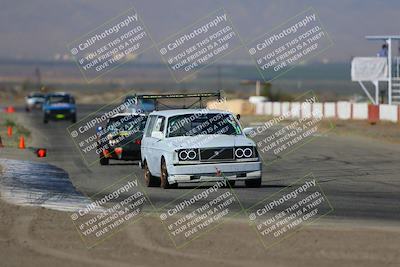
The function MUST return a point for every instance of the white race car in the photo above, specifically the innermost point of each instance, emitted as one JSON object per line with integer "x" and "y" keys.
{"x": 197, "y": 145}
{"x": 34, "y": 100}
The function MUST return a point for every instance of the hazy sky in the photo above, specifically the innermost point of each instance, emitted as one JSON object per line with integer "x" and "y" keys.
{"x": 42, "y": 28}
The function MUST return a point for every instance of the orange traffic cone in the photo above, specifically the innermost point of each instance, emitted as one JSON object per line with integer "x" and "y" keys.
{"x": 21, "y": 142}
{"x": 9, "y": 131}
{"x": 10, "y": 109}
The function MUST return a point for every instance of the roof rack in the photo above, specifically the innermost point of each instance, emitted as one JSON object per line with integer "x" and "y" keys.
{"x": 200, "y": 96}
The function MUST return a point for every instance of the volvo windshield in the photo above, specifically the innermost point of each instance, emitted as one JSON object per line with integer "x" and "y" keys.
{"x": 204, "y": 124}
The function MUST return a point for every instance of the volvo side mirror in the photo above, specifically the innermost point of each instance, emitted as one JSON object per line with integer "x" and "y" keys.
{"x": 248, "y": 130}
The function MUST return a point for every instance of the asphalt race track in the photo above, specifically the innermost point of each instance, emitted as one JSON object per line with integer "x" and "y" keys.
{"x": 360, "y": 177}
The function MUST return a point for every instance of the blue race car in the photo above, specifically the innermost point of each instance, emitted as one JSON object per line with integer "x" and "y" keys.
{"x": 59, "y": 106}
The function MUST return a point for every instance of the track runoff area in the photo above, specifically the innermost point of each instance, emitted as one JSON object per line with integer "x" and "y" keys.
{"x": 310, "y": 182}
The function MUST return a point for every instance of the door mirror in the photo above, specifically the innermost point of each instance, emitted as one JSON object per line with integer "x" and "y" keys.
{"x": 248, "y": 131}
{"x": 238, "y": 116}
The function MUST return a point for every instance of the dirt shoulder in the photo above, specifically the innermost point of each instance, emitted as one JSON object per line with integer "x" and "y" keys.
{"x": 18, "y": 130}
{"x": 382, "y": 131}
{"x": 48, "y": 238}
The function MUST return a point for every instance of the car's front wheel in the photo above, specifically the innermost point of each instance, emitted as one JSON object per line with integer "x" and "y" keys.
{"x": 45, "y": 119}
{"x": 149, "y": 179}
{"x": 164, "y": 176}
{"x": 253, "y": 182}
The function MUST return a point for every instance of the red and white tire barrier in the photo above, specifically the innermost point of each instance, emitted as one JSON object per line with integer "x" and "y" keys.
{"x": 341, "y": 110}
{"x": 360, "y": 111}
{"x": 389, "y": 113}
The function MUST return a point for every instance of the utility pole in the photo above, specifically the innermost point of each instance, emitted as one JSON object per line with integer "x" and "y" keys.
{"x": 38, "y": 79}
{"x": 219, "y": 77}
{"x": 257, "y": 87}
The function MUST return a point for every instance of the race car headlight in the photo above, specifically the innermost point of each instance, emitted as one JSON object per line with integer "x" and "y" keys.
{"x": 245, "y": 152}
{"x": 188, "y": 154}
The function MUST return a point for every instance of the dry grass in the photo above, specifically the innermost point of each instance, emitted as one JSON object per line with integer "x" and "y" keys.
{"x": 18, "y": 130}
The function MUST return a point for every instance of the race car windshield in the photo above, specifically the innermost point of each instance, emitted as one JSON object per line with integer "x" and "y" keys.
{"x": 145, "y": 105}
{"x": 59, "y": 99}
{"x": 205, "y": 124}
{"x": 126, "y": 123}
{"x": 146, "y": 101}
{"x": 35, "y": 95}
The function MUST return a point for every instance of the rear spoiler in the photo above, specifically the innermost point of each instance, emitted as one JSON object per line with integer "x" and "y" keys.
{"x": 200, "y": 97}
{"x": 196, "y": 95}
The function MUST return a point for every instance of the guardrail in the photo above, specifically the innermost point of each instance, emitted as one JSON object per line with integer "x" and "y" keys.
{"x": 341, "y": 110}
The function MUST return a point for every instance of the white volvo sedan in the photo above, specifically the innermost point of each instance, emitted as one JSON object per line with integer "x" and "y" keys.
{"x": 197, "y": 145}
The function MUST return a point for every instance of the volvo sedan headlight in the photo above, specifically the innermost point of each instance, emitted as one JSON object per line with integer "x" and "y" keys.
{"x": 188, "y": 154}
{"x": 245, "y": 152}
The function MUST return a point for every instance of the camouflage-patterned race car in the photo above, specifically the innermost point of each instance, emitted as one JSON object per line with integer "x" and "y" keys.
{"x": 121, "y": 138}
